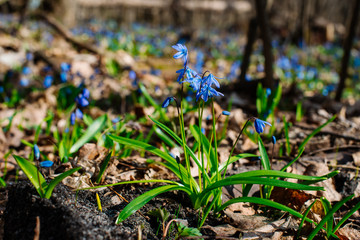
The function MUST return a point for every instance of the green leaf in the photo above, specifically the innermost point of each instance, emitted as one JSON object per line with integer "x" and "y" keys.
{"x": 157, "y": 106}
{"x": 103, "y": 167}
{"x": 57, "y": 180}
{"x": 347, "y": 215}
{"x": 141, "y": 200}
{"x": 327, "y": 207}
{"x": 179, "y": 141}
{"x": 265, "y": 202}
{"x": 171, "y": 162}
{"x": 90, "y": 132}
{"x": 185, "y": 231}
{"x": 32, "y": 173}
{"x": 264, "y": 157}
{"x": 206, "y": 145}
{"x": 2, "y": 182}
{"x": 317, "y": 130}
{"x": 330, "y": 214}
{"x": 294, "y": 160}
{"x": 303, "y": 218}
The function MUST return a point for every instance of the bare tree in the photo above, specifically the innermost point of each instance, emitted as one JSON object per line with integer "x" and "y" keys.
{"x": 251, "y": 37}
{"x": 263, "y": 22}
{"x": 350, "y": 33}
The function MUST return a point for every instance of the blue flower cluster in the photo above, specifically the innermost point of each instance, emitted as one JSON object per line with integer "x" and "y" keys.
{"x": 82, "y": 100}
{"x": 202, "y": 85}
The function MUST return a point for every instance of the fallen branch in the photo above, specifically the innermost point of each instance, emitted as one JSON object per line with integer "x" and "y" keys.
{"x": 57, "y": 26}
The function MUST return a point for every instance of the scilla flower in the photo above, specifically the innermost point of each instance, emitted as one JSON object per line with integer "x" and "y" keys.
{"x": 167, "y": 102}
{"x": 260, "y": 125}
{"x": 182, "y": 52}
{"x": 46, "y": 164}
{"x": 36, "y": 152}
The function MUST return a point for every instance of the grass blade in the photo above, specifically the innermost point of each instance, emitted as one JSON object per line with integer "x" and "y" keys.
{"x": 317, "y": 130}
{"x": 330, "y": 214}
{"x": 32, "y": 173}
{"x": 90, "y": 132}
{"x": 141, "y": 200}
{"x": 303, "y": 219}
{"x": 265, "y": 202}
{"x": 57, "y": 180}
{"x": 103, "y": 167}
{"x": 264, "y": 157}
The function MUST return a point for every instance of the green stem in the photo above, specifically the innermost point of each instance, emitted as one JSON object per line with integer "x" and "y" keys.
{"x": 233, "y": 147}
{"x": 215, "y": 141}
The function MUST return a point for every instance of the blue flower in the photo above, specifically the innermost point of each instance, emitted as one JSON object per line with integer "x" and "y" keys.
{"x": 24, "y": 81}
{"x": 182, "y": 52}
{"x": 203, "y": 131}
{"x": 48, "y": 81}
{"x": 78, "y": 114}
{"x": 260, "y": 125}
{"x": 65, "y": 67}
{"x": 210, "y": 80}
{"x": 63, "y": 77}
{"x": 46, "y": 164}
{"x": 268, "y": 92}
{"x": 132, "y": 75}
{"x": 273, "y": 140}
{"x": 226, "y": 113}
{"x": 81, "y": 101}
{"x": 26, "y": 70}
{"x": 167, "y": 102}
{"x": 36, "y": 152}
{"x": 72, "y": 118}
{"x": 86, "y": 93}
{"x": 207, "y": 92}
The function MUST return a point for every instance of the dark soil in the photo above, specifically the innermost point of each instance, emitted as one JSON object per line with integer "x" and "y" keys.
{"x": 67, "y": 216}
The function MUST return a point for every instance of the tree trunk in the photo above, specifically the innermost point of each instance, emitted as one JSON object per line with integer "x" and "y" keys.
{"x": 347, "y": 48}
{"x": 251, "y": 37}
{"x": 268, "y": 81}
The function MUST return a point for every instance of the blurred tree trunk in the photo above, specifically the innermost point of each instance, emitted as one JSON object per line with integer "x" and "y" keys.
{"x": 350, "y": 33}
{"x": 251, "y": 37}
{"x": 263, "y": 22}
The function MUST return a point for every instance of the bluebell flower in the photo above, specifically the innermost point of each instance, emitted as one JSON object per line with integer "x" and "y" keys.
{"x": 203, "y": 131}
{"x": 86, "y": 93}
{"x": 167, "y": 102}
{"x": 248, "y": 77}
{"x": 283, "y": 63}
{"x": 65, "y": 67}
{"x": 210, "y": 80}
{"x": 46, "y": 164}
{"x": 132, "y": 75}
{"x": 29, "y": 56}
{"x": 207, "y": 92}
{"x": 24, "y": 81}
{"x": 182, "y": 52}
{"x": 63, "y": 77}
{"x": 81, "y": 101}
{"x": 72, "y": 118}
{"x": 273, "y": 140}
{"x": 260, "y": 125}
{"x": 115, "y": 120}
{"x": 226, "y": 113}
{"x": 36, "y": 152}
{"x": 78, "y": 114}
{"x": 26, "y": 70}
{"x": 260, "y": 68}
{"x": 48, "y": 81}
{"x": 268, "y": 92}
